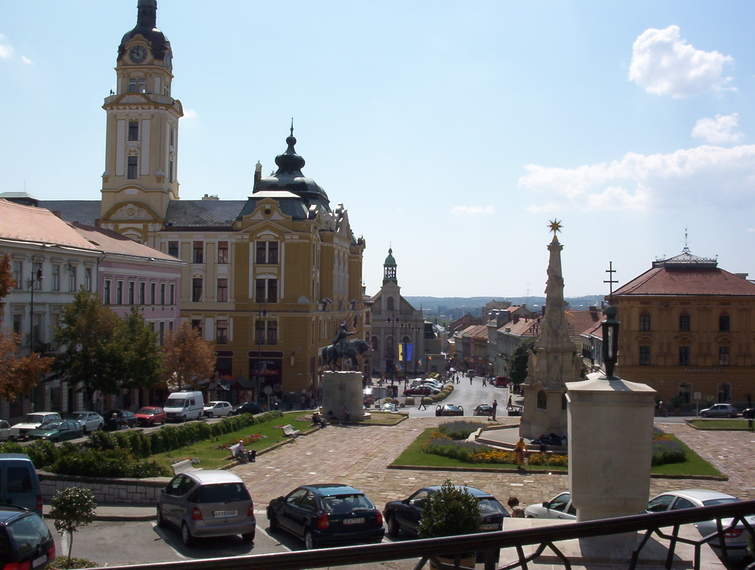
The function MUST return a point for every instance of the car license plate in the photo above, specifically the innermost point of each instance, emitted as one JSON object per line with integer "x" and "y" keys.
{"x": 490, "y": 526}
{"x": 358, "y": 520}
{"x": 224, "y": 514}
{"x": 39, "y": 561}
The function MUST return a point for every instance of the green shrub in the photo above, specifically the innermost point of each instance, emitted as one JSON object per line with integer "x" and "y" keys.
{"x": 459, "y": 429}
{"x": 42, "y": 452}
{"x": 102, "y": 440}
{"x": 11, "y": 447}
{"x": 668, "y": 451}
{"x": 448, "y": 512}
{"x": 106, "y": 463}
{"x": 461, "y": 450}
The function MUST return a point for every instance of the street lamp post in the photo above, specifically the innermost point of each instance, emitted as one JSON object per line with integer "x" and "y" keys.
{"x": 261, "y": 314}
{"x": 38, "y": 275}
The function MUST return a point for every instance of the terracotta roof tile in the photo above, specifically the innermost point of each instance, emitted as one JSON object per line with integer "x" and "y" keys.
{"x": 709, "y": 281}
{"x": 113, "y": 242}
{"x": 27, "y": 223}
{"x": 522, "y": 327}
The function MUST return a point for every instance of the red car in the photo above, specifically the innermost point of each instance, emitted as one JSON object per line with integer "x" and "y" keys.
{"x": 418, "y": 391}
{"x": 150, "y": 416}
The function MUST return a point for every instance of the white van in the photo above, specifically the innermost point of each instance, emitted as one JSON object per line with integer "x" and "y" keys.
{"x": 182, "y": 406}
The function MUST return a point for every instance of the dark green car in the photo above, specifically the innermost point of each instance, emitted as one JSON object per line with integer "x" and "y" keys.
{"x": 57, "y": 431}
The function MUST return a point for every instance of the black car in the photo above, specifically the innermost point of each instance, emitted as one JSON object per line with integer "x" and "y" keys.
{"x": 405, "y": 515}
{"x": 449, "y": 410}
{"x": 247, "y": 408}
{"x": 327, "y": 514}
{"x": 483, "y": 410}
{"x": 25, "y": 540}
{"x": 117, "y": 419}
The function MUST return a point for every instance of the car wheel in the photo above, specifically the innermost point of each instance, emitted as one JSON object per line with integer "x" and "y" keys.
{"x": 394, "y": 529}
{"x": 309, "y": 541}
{"x": 186, "y": 537}
{"x": 160, "y": 519}
{"x": 272, "y": 522}
{"x": 248, "y": 537}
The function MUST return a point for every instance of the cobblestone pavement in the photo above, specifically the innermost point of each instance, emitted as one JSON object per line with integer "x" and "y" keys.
{"x": 359, "y": 456}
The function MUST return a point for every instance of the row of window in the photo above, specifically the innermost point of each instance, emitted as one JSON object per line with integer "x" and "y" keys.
{"x": 58, "y": 276}
{"x": 685, "y": 322}
{"x": 265, "y": 331}
{"x": 265, "y": 290}
{"x": 266, "y": 252}
{"x": 684, "y": 356}
{"x": 127, "y": 293}
{"x": 723, "y": 395}
{"x": 160, "y": 330}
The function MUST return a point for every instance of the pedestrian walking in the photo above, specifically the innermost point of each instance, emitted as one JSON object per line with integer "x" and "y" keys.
{"x": 519, "y": 451}
{"x": 484, "y": 382}
{"x": 421, "y": 404}
{"x": 495, "y": 407}
{"x": 470, "y": 379}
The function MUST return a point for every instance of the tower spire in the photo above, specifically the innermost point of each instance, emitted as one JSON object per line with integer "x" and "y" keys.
{"x": 146, "y": 14}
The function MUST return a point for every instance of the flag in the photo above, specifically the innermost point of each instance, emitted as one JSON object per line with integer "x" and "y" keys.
{"x": 401, "y": 352}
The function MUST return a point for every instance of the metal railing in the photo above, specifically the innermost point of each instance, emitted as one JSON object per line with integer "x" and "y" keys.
{"x": 487, "y": 545}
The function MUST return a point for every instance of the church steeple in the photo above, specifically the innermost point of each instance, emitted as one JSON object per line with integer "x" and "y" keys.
{"x": 389, "y": 268}
{"x": 146, "y": 14}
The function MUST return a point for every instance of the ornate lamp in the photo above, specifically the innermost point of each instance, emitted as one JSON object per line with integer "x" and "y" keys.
{"x": 610, "y": 328}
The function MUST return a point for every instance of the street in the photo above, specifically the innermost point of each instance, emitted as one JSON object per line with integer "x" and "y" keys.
{"x": 466, "y": 394}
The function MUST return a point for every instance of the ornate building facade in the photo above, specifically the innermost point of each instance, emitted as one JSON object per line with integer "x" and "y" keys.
{"x": 269, "y": 278}
{"x": 687, "y": 330}
{"x": 397, "y": 337}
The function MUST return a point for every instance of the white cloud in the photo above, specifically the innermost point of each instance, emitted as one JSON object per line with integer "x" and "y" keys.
{"x": 473, "y": 210}
{"x": 190, "y": 114}
{"x": 666, "y": 64}
{"x": 6, "y": 50}
{"x": 711, "y": 176}
{"x": 721, "y": 129}
{"x": 25, "y": 60}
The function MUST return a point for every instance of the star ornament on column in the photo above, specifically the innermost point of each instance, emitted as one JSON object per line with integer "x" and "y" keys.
{"x": 555, "y": 226}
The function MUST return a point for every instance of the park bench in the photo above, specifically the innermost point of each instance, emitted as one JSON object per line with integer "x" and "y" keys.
{"x": 290, "y": 430}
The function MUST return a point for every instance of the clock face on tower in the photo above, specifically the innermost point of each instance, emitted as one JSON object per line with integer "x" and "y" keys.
{"x": 137, "y": 54}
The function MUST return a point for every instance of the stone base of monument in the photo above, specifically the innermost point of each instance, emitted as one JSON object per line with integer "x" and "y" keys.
{"x": 599, "y": 553}
{"x": 342, "y": 396}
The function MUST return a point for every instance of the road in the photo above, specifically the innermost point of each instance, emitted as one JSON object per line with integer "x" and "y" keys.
{"x": 468, "y": 395}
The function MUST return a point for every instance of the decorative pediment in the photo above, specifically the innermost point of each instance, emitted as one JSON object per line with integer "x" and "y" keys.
{"x": 131, "y": 211}
{"x": 267, "y": 210}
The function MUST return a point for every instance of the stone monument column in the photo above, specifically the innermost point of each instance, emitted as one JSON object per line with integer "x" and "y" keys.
{"x": 555, "y": 360}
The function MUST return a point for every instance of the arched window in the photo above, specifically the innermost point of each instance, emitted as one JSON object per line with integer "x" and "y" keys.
{"x": 406, "y": 340}
{"x": 645, "y": 322}
{"x": 542, "y": 400}
{"x": 685, "y": 393}
{"x": 724, "y": 392}
{"x": 390, "y": 303}
{"x": 684, "y": 322}
{"x": 723, "y": 323}
{"x": 389, "y": 347}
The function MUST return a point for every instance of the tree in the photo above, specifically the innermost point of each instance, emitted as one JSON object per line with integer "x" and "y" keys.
{"x": 449, "y": 511}
{"x": 72, "y": 507}
{"x": 188, "y": 358}
{"x": 18, "y": 374}
{"x": 92, "y": 358}
{"x": 519, "y": 361}
{"x": 141, "y": 357}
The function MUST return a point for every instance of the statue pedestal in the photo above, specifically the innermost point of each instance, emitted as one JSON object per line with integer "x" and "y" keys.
{"x": 342, "y": 395}
{"x": 610, "y": 427}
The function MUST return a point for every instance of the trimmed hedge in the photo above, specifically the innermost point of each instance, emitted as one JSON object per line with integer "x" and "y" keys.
{"x": 123, "y": 454}
{"x": 459, "y": 429}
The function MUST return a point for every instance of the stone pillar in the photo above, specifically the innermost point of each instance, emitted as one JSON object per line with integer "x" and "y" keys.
{"x": 610, "y": 427}
{"x": 342, "y": 394}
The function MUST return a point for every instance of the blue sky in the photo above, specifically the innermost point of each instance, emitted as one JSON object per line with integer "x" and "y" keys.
{"x": 451, "y": 130}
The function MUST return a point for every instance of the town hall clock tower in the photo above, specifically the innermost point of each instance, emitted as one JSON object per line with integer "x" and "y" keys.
{"x": 142, "y": 132}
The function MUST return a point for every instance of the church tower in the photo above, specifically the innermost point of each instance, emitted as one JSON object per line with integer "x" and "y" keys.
{"x": 142, "y": 132}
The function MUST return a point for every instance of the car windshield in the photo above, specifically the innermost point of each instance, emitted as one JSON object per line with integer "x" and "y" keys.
{"x": 51, "y": 425}
{"x": 28, "y": 533}
{"x": 147, "y": 411}
{"x": 344, "y": 504}
{"x": 32, "y": 419}
{"x": 721, "y": 501}
{"x": 176, "y": 403}
{"x": 490, "y": 507}
{"x": 221, "y": 493}
{"x": 80, "y": 415}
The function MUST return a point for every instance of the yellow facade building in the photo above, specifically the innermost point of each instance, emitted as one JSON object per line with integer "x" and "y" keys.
{"x": 269, "y": 279}
{"x": 686, "y": 330}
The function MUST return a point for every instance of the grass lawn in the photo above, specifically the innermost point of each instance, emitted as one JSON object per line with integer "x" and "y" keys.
{"x": 382, "y": 418}
{"x": 731, "y": 425}
{"x": 413, "y": 455}
{"x": 211, "y": 457}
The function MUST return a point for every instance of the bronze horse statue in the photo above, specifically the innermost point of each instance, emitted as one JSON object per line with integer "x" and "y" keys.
{"x": 342, "y": 351}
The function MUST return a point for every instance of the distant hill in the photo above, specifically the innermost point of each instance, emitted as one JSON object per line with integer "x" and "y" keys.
{"x": 455, "y": 307}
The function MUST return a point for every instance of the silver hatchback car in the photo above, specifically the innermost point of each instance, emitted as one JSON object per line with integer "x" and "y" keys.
{"x": 207, "y": 503}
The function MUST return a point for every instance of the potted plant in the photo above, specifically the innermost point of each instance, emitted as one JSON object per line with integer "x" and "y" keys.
{"x": 449, "y": 512}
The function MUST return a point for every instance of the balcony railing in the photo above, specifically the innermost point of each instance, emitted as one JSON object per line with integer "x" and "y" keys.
{"x": 488, "y": 544}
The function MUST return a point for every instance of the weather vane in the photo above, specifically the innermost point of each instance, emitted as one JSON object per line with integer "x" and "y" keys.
{"x": 555, "y": 226}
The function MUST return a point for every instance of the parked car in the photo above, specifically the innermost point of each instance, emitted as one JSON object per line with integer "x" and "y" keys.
{"x": 32, "y": 421}
{"x": 26, "y": 541}
{"x": 390, "y": 407}
{"x": 184, "y": 406}
{"x": 117, "y": 419}
{"x": 501, "y": 381}
{"x": 449, "y": 410}
{"x": 57, "y": 431}
{"x": 404, "y": 516}
{"x": 247, "y": 408}
{"x": 559, "y": 507}
{"x": 89, "y": 421}
{"x": 20, "y": 484}
{"x": 720, "y": 411}
{"x": 5, "y": 430}
{"x": 217, "y": 409}
{"x": 735, "y": 539}
{"x": 327, "y": 514}
{"x": 150, "y": 416}
{"x": 418, "y": 391}
{"x": 483, "y": 410}
{"x": 207, "y": 503}
{"x": 748, "y": 413}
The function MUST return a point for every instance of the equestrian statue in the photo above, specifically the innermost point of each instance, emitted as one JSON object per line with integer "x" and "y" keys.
{"x": 342, "y": 350}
